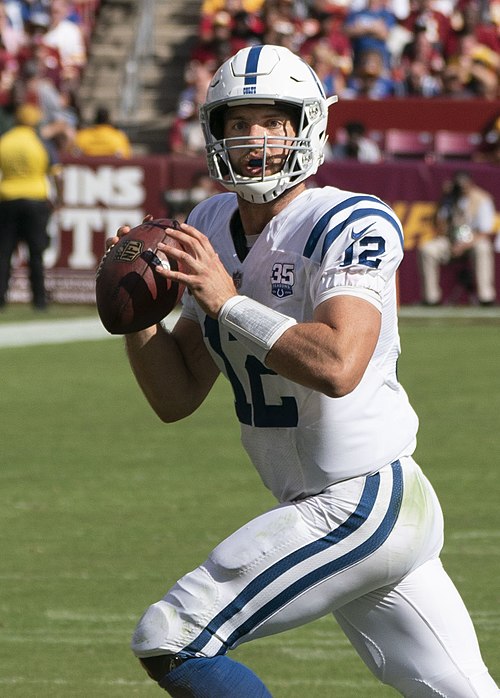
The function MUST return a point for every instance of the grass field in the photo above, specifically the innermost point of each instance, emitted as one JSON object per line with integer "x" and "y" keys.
{"x": 103, "y": 507}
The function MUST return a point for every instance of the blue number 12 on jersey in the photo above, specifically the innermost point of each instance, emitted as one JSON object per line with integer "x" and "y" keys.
{"x": 252, "y": 410}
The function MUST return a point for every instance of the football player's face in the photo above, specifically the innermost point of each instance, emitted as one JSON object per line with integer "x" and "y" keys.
{"x": 252, "y": 124}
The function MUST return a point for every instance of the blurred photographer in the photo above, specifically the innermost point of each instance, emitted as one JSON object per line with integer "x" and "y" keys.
{"x": 465, "y": 220}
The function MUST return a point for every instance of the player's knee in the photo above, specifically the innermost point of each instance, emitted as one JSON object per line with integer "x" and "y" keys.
{"x": 157, "y": 629}
{"x": 174, "y": 622}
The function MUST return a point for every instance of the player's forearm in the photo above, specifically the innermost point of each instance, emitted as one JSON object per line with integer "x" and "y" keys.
{"x": 161, "y": 372}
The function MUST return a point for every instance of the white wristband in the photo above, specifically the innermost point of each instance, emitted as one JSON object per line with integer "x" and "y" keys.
{"x": 255, "y": 325}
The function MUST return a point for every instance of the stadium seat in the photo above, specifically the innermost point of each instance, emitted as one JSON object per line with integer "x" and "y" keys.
{"x": 456, "y": 145}
{"x": 403, "y": 143}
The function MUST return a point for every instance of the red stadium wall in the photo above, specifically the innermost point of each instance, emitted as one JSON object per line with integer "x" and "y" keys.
{"x": 102, "y": 194}
{"x": 418, "y": 114}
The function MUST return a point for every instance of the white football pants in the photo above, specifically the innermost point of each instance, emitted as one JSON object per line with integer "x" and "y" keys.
{"x": 366, "y": 550}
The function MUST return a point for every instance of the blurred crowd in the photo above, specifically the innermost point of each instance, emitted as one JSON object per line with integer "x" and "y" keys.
{"x": 374, "y": 49}
{"x": 363, "y": 48}
{"x": 43, "y": 53}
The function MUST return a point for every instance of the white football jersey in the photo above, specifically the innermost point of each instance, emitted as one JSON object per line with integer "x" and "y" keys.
{"x": 325, "y": 242}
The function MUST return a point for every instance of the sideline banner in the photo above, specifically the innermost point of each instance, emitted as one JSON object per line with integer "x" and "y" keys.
{"x": 100, "y": 194}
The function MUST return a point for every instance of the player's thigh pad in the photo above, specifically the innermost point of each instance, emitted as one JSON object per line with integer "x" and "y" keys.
{"x": 171, "y": 624}
{"x": 418, "y": 637}
{"x": 298, "y": 562}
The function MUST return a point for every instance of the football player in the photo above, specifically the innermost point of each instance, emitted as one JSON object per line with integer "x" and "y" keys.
{"x": 292, "y": 296}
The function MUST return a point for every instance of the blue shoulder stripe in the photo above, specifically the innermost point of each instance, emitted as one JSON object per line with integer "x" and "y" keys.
{"x": 318, "y": 229}
{"x": 357, "y": 215}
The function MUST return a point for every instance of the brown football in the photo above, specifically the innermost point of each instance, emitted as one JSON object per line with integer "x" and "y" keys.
{"x": 130, "y": 295}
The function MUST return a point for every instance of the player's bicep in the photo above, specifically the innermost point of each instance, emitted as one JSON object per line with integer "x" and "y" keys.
{"x": 356, "y": 323}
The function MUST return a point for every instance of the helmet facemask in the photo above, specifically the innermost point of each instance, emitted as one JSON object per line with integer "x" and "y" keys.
{"x": 310, "y": 115}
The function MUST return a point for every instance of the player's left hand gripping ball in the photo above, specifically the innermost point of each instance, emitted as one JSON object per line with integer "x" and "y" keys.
{"x": 130, "y": 296}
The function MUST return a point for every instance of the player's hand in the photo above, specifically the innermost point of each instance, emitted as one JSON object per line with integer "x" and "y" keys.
{"x": 123, "y": 230}
{"x": 200, "y": 269}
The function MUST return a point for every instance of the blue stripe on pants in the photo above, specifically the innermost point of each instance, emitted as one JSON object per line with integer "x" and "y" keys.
{"x": 353, "y": 523}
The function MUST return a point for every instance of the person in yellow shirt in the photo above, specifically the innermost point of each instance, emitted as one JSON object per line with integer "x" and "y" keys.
{"x": 26, "y": 163}
{"x": 210, "y": 7}
{"x": 102, "y": 138}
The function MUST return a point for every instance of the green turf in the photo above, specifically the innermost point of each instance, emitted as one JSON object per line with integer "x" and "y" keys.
{"x": 103, "y": 507}
{"x": 23, "y": 312}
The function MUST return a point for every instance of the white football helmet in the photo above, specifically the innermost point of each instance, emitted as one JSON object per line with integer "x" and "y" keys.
{"x": 266, "y": 75}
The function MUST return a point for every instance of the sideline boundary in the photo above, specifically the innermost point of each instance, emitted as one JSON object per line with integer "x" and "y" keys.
{"x": 36, "y": 332}
{"x": 18, "y": 334}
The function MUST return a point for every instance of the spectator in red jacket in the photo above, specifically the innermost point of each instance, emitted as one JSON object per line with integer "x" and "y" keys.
{"x": 467, "y": 19}
{"x": 424, "y": 51}
{"x": 436, "y": 25}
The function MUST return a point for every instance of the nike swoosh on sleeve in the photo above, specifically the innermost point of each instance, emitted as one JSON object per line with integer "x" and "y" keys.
{"x": 356, "y": 236}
